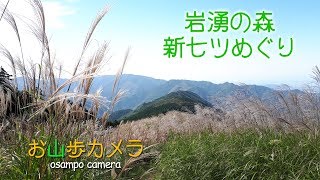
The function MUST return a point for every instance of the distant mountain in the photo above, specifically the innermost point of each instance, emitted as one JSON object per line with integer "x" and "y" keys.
{"x": 141, "y": 89}
{"x": 180, "y": 101}
{"x": 136, "y": 88}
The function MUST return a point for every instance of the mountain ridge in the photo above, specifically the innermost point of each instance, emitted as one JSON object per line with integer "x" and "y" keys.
{"x": 183, "y": 101}
{"x": 140, "y": 89}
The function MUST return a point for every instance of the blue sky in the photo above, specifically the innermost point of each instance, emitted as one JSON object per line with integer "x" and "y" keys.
{"x": 143, "y": 25}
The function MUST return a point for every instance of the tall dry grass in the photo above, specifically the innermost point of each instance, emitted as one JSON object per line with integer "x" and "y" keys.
{"x": 46, "y": 108}
{"x": 44, "y": 100}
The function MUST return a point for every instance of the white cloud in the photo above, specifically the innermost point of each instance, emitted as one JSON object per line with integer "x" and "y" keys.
{"x": 72, "y": 1}
{"x": 55, "y": 11}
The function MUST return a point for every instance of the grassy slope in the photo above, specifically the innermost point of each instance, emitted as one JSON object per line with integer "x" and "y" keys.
{"x": 239, "y": 155}
{"x": 245, "y": 155}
